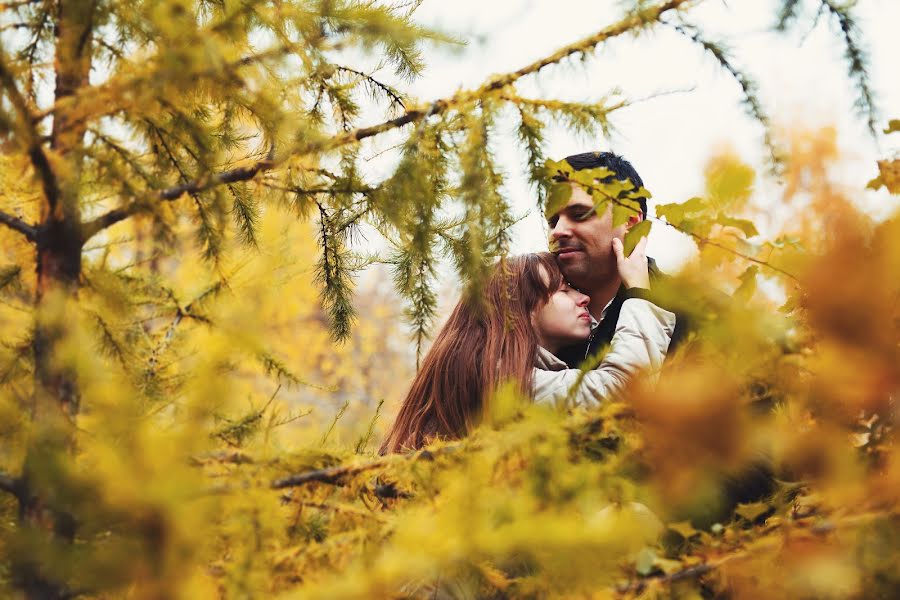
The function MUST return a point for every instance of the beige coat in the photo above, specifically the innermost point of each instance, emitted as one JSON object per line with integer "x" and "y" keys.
{"x": 642, "y": 337}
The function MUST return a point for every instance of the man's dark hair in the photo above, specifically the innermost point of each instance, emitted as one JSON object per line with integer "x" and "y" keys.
{"x": 621, "y": 168}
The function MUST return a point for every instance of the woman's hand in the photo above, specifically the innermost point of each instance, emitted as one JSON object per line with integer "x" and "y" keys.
{"x": 632, "y": 269}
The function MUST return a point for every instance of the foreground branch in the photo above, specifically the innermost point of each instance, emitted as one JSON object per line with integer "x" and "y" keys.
{"x": 331, "y": 475}
{"x": 437, "y": 107}
{"x": 809, "y": 527}
{"x": 336, "y": 475}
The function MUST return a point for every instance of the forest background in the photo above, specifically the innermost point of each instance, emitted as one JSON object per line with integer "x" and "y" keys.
{"x": 231, "y": 227}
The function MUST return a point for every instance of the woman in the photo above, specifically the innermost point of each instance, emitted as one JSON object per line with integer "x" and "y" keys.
{"x": 527, "y": 311}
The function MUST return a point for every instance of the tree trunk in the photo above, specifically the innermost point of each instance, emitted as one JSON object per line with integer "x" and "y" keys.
{"x": 59, "y": 245}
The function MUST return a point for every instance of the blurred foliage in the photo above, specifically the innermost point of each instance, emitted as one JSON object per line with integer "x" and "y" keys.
{"x": 185, "y": 200}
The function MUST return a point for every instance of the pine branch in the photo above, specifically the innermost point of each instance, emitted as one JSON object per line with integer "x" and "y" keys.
{"x": 395, "y": 97}
{"x": 856, "y": 59}
{"x": 180, "y": 314}
{"x": 581, "y": 117}
{"x": 748, "y": 86}
{"x": 245, "y": 211}
{"x": 108, "y": 93}
{"x": 437, "y": 107}
{"x": 92, "y": 228}
{"x": 331, "y": 274}
{"x": 787, "y": 13}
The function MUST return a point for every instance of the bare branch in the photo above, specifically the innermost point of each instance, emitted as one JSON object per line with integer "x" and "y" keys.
{"x": 437, "y": 107}
{"x": 14, "y": 223}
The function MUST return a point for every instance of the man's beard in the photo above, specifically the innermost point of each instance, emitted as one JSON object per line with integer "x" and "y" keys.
{"x": 587, "y": 273}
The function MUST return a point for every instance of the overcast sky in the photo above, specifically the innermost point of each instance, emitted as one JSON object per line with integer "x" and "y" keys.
{"x": 802, "y": 80}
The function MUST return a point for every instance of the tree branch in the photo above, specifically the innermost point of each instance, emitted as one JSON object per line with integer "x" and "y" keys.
{"x": 335, "y": 475}
{"x": 32, "y": 141}
{"x": 16, "y": 224}
{"x": 437, "y": 107}
{"x": 112, "y": 217}
{"x": 10, "y": 485}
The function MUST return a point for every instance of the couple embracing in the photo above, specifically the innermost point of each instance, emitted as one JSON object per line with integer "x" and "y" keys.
{"x": 540, "y": 317}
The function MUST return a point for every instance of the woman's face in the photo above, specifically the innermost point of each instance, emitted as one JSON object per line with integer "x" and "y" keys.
{"x": 564, "y": 319}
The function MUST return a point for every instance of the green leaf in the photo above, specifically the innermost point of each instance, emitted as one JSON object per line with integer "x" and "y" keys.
{"x": 635, "y": 234}
{"x": 613, "y": 189}
{"x": 591, "y": 178}
{"x": 893, "y": 126}
{"x": 744, "y": 225}
{"x": 641, "y": 192}
{"x": 748, "y": 284}
{"x": 556, "y": 168}
{"x": 624, "y": 210}
{"x": 557, "y": 198}
{"x": 676, "y": 212}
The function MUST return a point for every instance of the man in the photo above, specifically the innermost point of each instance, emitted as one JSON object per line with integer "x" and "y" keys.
{"x": 583, "y": 244}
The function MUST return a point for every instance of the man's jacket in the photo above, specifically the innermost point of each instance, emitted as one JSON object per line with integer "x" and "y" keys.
{"x": 602, "y": 335}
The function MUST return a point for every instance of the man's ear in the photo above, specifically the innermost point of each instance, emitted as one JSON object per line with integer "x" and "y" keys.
{"x": 634, "y": 220}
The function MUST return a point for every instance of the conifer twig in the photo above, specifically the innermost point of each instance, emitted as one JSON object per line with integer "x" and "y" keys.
{"x": 387, "y": 90}
{"x": 857, "y": 61}
{"x": 437, "y": 107}
{"x": 748, "y": 86}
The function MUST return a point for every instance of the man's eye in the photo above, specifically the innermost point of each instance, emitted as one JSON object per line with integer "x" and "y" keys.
{"x": 552, "y": 221}
{"x": 584, "y": 216}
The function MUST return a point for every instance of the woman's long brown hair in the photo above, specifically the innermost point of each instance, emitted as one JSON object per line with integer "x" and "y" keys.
{"x": 485, "y": 342}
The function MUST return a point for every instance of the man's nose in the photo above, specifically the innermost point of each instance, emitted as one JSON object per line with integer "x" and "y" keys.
{"x": 584, "y": 300}
{"x": 561, "y": 229}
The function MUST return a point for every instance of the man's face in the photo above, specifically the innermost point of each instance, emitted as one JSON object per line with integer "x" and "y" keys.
{"x": 582, "y": 241}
